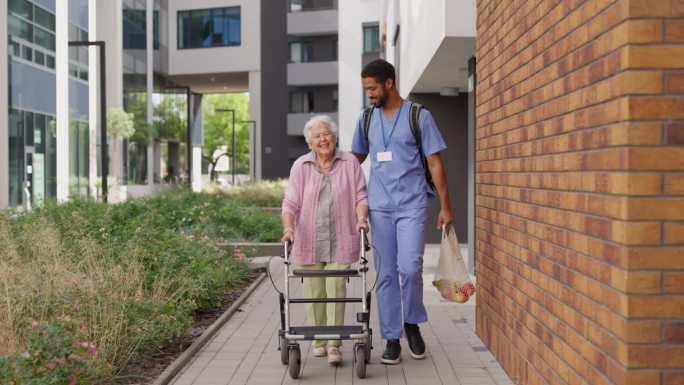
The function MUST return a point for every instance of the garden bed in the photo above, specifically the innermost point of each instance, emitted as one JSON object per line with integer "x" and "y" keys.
{"x": 93, "y": 288}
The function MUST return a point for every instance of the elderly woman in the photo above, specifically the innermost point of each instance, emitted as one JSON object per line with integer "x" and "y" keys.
{"x": 325, "y": 207}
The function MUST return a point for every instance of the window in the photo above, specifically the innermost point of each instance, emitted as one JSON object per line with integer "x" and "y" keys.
{"x": 21, "y": 8}
{"x": 311, "y": 5}
{"x": 301, "y": 101}
{"x": 371, "y": 38}
{"x": 31, "y": 33}
{"x": 366, "y": 100}
{"x": 204, "y": 28}
{"x": 301, "y": 52}
{"x": 335, "y": 97}
{"x": 78, "y": 56}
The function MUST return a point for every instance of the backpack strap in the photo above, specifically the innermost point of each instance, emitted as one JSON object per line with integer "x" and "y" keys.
{"x": 414, "y": 113}
{"x": 367, "y": 115}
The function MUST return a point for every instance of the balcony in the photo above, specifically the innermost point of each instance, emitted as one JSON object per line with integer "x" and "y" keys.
{"x": 311, "y": 23}
{"x": 296, "y": 121}
{"x": 312, "y": 73}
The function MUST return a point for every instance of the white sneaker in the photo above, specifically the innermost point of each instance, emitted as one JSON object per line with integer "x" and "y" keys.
{"x": 334, "y": 355}
{"x": 319, "y": 351}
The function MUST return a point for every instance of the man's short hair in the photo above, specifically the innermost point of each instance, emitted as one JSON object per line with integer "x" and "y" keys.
{"x": 379, "y": 69}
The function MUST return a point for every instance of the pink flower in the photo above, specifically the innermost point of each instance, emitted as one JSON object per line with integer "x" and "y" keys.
{"x": 25, "y": 355}
{"x": 35, "y": 324}
{"x": 75, "y": 357}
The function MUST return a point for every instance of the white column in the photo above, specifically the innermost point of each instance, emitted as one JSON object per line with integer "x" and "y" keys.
{"x": 4, "y": 118}
{"x": 150, "y": 85}
{"x": 255, "y": 114}
{"x": 196, "y": 168}
{"x": 93, "y": 99}
{"x": 62, "y": 97}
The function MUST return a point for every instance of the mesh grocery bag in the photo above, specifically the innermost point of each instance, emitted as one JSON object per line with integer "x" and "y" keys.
{"x": 451, "y": 278}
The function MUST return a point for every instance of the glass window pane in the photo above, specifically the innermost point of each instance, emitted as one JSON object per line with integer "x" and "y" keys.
{"x": 39, "y": 57}
{"x": 233, "y": 26}
{"x": 50, "y": 61}
{"x": 371, "y": 39}
{"x": 27, "y": 53}
{"x": 73, "y": 32}
{"x": 45, "y": 19}
{"x": 206, "y": 28}
{"x": 307, "y": 53}
{"x": 44, "y": 39}
{"x": 183, "y": 25}
{"x": 196, "y": 29}
{"x": 14, "y": 48}
{"x": 217, "y": 27}
{"x": 29, "y": 126}
{"x": 83, "y": 55}
{"x": 19, "y": 28}
{"x": 295, "y": 52}
{"x": 21, "y": 8}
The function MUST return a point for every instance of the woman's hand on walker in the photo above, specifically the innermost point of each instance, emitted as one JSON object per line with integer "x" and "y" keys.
{"x": 361, "y": 223}
{"x": 288, "y": 235}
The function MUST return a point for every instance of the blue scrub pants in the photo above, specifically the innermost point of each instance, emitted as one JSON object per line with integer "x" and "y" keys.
{"x": 399, "y": 237}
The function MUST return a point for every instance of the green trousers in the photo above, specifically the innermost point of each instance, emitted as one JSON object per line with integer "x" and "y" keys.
{"x": 325, "y": 314}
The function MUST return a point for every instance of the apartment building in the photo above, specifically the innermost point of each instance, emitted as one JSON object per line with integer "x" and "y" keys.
{"x": 161, "y": 57}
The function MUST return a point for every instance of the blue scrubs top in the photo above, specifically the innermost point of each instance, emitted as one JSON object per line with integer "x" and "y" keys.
{"x": 398, "y": 184}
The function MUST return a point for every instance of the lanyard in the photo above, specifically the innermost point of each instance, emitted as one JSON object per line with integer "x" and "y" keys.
{"x": 384, "y": 141}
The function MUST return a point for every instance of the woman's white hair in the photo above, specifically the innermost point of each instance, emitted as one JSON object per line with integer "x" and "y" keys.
{"x": 316, "y": 120}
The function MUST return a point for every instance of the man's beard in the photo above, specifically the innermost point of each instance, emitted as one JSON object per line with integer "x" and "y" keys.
{"x": 380, "y": 102}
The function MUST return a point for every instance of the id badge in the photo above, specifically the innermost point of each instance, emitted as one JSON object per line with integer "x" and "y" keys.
{"x": 384, "y": 156}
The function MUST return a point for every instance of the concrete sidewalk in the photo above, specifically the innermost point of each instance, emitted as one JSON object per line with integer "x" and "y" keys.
{"x": 245, "y": 351}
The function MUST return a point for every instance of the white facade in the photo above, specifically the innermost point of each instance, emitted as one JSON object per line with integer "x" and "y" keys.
{"x": 352, "y": 15}
{"x": 440, "y": 37}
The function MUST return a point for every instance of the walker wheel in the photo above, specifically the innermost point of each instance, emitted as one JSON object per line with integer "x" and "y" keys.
{"x": 295, "y": 362}
{"x": 284, "y": 353}
{"x": 360, "y": 360}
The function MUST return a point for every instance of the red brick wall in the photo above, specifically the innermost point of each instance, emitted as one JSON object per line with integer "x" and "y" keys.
{"x": 580, "y": 189}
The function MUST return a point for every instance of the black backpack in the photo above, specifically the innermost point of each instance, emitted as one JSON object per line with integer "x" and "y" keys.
{"x": 415, "y": 130}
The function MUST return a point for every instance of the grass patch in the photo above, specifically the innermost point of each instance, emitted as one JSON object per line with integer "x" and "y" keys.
{"x": 87, "y": 288}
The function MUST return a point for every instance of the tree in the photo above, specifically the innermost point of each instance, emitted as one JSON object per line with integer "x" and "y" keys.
{"x": 218, "y": 128}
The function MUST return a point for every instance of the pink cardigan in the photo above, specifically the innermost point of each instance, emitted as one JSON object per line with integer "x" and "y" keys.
{"x": 348, "y": 186}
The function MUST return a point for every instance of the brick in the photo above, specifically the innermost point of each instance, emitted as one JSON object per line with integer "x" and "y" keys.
{"x": 642, "y": 377}
{"x": 674, "y": 31}
{"x": 642, "y": 332}
{"x": 656, "y": 307}
{"x": 675, "y": 134}
{"x": 662, "y": 158}
{"x": 636, "y": 233}
{"x": 674, "y": 184}
{"x": 644, "y": 108}
{"x": 673, "y": 283}
{"x": 673, "y": 377}
{"x": 641, "y": 282}
{"x": 673, "y": 333}
{"x": 654, "y": 56}
{"x": 675, "y": 83}
{"x": 656, "y": 258}
{"x": 666, "y": 357}
{"x": 645, "y": 31}
{"x": 660, "y": 8}
{"x": 674, "y": 233}
{"x": 655, "y": 208}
